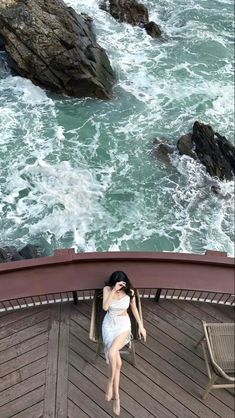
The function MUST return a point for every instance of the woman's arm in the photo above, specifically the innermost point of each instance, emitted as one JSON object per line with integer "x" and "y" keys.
{"x": 108, "y": 294}
{"x": 135, "y": 312}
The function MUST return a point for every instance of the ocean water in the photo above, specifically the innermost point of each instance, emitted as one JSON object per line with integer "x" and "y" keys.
{"x": 80, "y": 172}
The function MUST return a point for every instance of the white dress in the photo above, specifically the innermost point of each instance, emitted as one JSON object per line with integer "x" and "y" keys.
{"x": 115, "y": 324}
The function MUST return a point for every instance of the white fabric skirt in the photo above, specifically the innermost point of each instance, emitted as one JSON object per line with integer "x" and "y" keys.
{"x": 112, "y": 327}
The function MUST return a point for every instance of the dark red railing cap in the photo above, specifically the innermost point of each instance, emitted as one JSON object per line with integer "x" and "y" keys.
{"x": 68, "y": 271}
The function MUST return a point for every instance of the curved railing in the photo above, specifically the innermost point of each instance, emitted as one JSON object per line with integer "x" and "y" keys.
{"x": 68, "y": 275}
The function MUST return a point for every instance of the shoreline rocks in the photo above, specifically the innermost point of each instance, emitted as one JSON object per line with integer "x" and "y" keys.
{"x": 213, "y": 150}
{"x": 10, "y": 253}
{"x": 132, "y": 12}
{"x": 55, "y": 48}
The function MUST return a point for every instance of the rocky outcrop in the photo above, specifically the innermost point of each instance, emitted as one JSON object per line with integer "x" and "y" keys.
{"x": 153, "y": 29}
{"x": 54, "y": 47}
{"x": 10, "y": 253}
{"x": 214, "y": 151}
{"x": 162, "y": 150}
{"x": 130, "y": 11}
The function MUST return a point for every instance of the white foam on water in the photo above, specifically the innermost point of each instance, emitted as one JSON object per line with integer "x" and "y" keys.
{"x": 202, "y": 218}
{"x": 61, "y": 199}
{"x": 28, "y": 92}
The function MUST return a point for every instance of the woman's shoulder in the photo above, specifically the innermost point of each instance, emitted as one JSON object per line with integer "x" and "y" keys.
{"x": 132, "y": 292}
{"x": 106, "y": 289}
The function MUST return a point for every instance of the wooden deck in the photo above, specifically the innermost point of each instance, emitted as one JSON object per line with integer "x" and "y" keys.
{"x": 47, "y": 370}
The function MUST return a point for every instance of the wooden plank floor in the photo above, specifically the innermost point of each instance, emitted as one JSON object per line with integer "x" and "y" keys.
{"x": 47, "y": 368}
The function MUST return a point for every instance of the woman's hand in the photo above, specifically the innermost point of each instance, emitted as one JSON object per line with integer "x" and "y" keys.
{"x": 142, "y": 332}
{"x": 119, "y": 286}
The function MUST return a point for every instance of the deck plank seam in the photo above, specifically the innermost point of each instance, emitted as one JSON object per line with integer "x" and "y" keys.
{"x": 198, "y": 308}
{"x": 26, "y": 394}
{"x": 99, "y": 406}
{"x": 24, "y": 313}
{"x": 27, "y": 364}
{"x": 79, "y": 408}
{"x": 25, "y": 352}
{"x": 185, "y": 389}
{"x": 193, "y": 318}
{"x": 19, "y": 383}
{"x": 161, "y": 308}
{"x": 174, "y": 340}
{"x": 15, "y": 415}
{"x": 126, "y": 393}
{"x": 26, "y": 327}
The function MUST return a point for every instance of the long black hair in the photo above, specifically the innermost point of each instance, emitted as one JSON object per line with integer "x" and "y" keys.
{"x": 120, "y": 276}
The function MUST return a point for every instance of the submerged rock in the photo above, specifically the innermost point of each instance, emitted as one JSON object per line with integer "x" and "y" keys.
{"x": 214, "y": 151}
{"x": 162, "y": 150}
{"x": 132, "y": 12}
{"x": 54, "y": 47}
{"x": 10, "y": 253}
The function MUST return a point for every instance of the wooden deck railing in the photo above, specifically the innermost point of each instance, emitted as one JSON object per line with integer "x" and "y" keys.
{"x": 72, "y": 276}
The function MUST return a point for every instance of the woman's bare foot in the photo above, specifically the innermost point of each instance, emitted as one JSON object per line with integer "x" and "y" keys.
{"x": 109, "y": 391}
{"x": 116, "y": 405}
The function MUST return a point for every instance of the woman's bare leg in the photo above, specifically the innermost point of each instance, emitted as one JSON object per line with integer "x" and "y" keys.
{"x": 109, "y": 390}
{"x": 116, "y": 406}
{"x": 117, "y": 375}
{"x": 114, "y": 356}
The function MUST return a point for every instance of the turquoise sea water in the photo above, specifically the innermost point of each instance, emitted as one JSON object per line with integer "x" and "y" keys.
{"x": 80, "y": 172}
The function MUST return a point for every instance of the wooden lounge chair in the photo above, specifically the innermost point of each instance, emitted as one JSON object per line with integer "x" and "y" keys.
{"x": 97, "y": 316}
{"x": 218, "y": 349}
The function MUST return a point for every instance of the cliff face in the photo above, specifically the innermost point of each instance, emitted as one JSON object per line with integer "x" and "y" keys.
{"x": 54, "y": 47}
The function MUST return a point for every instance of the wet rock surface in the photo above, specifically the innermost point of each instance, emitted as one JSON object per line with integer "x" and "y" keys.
{"x": 10, "y": 253}
{"x": 213, "y": 150}
{"x": 162, "y": 150}
{"x": 54, "y": 47}
{"x": 132, "y": 12}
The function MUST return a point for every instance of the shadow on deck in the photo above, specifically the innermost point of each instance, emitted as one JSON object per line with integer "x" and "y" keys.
{"x": 47, "y": 370}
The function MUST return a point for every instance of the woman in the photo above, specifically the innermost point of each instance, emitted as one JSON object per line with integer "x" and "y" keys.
{"x": 116, "y": 328}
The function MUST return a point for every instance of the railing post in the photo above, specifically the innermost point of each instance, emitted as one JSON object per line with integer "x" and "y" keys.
{"x": 75, "y": 297}
{"x": 158, "y": 294}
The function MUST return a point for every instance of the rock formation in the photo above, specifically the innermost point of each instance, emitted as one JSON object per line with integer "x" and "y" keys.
{"x": 212, "y": 149}
{"x": 10, "y": 253}
{"x": 54, "y": 47}
{"x": 130, "y": 11}
{"x": 162, "y": 150}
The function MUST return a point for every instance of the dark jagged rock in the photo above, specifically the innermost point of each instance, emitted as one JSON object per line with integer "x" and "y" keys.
{"x": 3, "y": 256}
{"x": 212, "y": 149}
{"x": 153, "y": 29}
{"x": 30, "y": 251}
{"x": 54, "y": 47}
{"x": 132, "y": 12}
{"x": 185, "y": 146}
{"x": 2, "y": 44}
{"x": 10, "y": 253}
{"x": 162, "y": 150}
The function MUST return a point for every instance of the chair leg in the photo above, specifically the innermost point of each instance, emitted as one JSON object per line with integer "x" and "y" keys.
{"x": 199, "y": 341}
{"x": 210, "y": 384}
{"x": 133, "y": 357}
